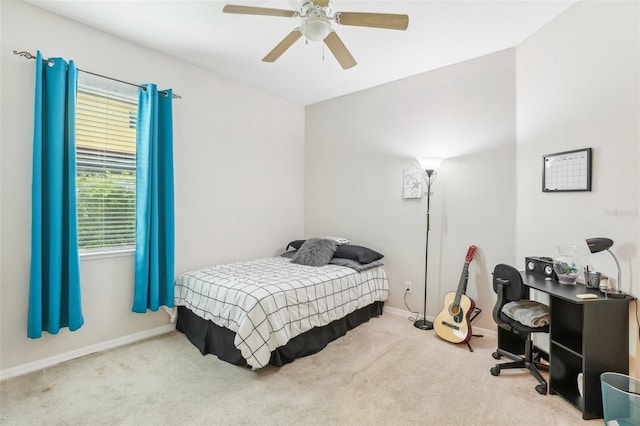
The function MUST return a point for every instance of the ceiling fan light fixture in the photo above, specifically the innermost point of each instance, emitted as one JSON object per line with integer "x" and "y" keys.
{"x": 316, "y": 28}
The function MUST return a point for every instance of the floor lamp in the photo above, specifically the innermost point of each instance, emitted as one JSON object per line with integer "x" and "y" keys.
{"x": 429, "y": 165}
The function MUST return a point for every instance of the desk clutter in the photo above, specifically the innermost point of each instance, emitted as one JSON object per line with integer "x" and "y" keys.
{"x": 567, "y": 268}
{"x": 586, "y": 296}
{"x": 540, "y": 265}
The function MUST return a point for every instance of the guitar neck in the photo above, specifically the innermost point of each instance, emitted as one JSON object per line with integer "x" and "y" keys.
{"x": 462, "y": 285}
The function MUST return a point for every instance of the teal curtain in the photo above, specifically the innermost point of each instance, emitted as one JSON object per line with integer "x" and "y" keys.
{"x": 154, "y": 266}
{"x": 54, "y": 287}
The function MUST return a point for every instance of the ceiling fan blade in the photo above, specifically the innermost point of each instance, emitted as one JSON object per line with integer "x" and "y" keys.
{"x": 375, "y": 20}
{"x": 339, "y": 50}
{"x": 250, "y": 10}
{"x": 320, "y": 3}
{"x": 286, "y": 43}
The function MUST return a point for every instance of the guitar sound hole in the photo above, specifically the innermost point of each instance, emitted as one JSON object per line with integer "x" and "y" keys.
{"x": 456, "y": 313}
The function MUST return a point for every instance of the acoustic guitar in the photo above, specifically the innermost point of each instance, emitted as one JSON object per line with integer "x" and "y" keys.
{"x": 453, "y": 323}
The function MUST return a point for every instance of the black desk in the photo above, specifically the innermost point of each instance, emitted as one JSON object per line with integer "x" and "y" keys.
{"x": 585, "y": 336}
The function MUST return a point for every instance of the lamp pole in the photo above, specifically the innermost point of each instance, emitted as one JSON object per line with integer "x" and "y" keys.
{"x": 424, "y": 324}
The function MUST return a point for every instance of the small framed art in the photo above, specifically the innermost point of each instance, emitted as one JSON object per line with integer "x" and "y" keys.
{"x": 412, "y": 182}
{"x": 567, "y": 171}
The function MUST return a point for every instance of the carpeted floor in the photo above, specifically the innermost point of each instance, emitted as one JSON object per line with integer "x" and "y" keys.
{"x": 385, "y": 372}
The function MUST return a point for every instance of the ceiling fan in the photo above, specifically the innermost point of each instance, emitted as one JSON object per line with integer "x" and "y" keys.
{"x": 316, "y": 17}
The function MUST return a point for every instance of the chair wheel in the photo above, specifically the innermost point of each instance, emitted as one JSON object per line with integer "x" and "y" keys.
{"x": 495, "y": 355}
{"x": 542, "y": 389}
{"x": 495, "y": 370}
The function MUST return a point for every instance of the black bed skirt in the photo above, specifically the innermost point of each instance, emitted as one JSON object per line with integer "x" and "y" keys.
{"x": 210, "y": 338}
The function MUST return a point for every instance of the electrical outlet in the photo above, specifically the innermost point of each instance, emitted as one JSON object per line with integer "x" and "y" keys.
{"x": 407, "y": 286}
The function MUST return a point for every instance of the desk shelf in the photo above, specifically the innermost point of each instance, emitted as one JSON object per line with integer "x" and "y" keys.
{"x": 566, "y": 327}
{"x": 563, "y": 377}
{"x": 572, "y": 348}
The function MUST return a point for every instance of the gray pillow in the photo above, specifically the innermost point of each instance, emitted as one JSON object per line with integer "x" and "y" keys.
{"x": 354, "y": 264}
{"x": 315, "y": 252}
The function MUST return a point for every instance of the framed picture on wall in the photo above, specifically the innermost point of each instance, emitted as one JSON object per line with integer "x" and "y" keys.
{"x": 567, "y": 171}
{"x": 412, "y": 181}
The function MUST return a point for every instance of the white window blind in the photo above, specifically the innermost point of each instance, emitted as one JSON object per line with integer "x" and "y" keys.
{"x": 106, "y": 113}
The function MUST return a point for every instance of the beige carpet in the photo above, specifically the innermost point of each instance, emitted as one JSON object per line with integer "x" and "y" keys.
{"x": 385, "y": 372}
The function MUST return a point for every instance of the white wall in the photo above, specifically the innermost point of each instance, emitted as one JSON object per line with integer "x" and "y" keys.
{"x": 358, "y": 145}
{"x": 578, "y": 86}
{"x": 223, "y": 133}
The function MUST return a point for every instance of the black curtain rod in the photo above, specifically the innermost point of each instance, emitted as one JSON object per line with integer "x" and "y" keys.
{"x": 30, "y": 56}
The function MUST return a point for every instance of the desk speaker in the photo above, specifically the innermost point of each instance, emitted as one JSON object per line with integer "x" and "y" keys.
{"x": 540, "y": 266}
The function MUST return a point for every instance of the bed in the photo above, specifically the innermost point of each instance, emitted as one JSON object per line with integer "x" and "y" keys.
{"x": 273, "y": 310}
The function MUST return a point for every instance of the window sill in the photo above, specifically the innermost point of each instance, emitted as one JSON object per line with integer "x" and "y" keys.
{"x": 103, "y": 254}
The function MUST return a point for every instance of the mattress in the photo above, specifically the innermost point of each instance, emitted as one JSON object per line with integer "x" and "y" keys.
{"x": 267, "y": 302}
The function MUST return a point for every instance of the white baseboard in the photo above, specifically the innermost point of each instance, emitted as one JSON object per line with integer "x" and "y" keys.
{"x": 402, "y": 312}
{"x": 77, "y": 353}
{"x": 132, "y": 338}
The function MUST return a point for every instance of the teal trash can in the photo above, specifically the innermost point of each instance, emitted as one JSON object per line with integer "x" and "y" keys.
{"x": 620, "y": 399}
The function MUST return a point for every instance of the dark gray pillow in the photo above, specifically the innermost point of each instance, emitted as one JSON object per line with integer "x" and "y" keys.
{"x": 296, "y": 244}
{"x": 361, "y": 254}
{"x": 315, "y": 252}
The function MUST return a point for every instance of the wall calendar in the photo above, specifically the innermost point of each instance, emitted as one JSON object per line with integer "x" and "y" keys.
{"x": 567, "y": 171}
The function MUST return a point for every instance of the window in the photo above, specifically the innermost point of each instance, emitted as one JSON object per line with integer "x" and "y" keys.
{"x": 106, "y": 114}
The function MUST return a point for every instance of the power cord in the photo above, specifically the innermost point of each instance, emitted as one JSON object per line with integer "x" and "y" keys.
{"x": 409, "y": 309}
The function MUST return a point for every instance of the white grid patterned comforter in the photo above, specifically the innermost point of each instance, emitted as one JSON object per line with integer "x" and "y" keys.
{"x": 268, "y": 301}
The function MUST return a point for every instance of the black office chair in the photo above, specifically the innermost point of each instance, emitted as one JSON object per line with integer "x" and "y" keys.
{"x": 507, "y": 283}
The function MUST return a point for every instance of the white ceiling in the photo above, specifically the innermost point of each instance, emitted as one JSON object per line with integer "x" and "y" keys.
{"x": 440, "y": 33}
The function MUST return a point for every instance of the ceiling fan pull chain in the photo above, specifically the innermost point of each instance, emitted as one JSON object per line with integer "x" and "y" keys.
{"x": 306, "y": 26}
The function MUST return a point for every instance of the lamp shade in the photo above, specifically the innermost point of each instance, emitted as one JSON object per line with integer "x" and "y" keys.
{"x": 429, "y": 163}
{"x": 596, "y": 245}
